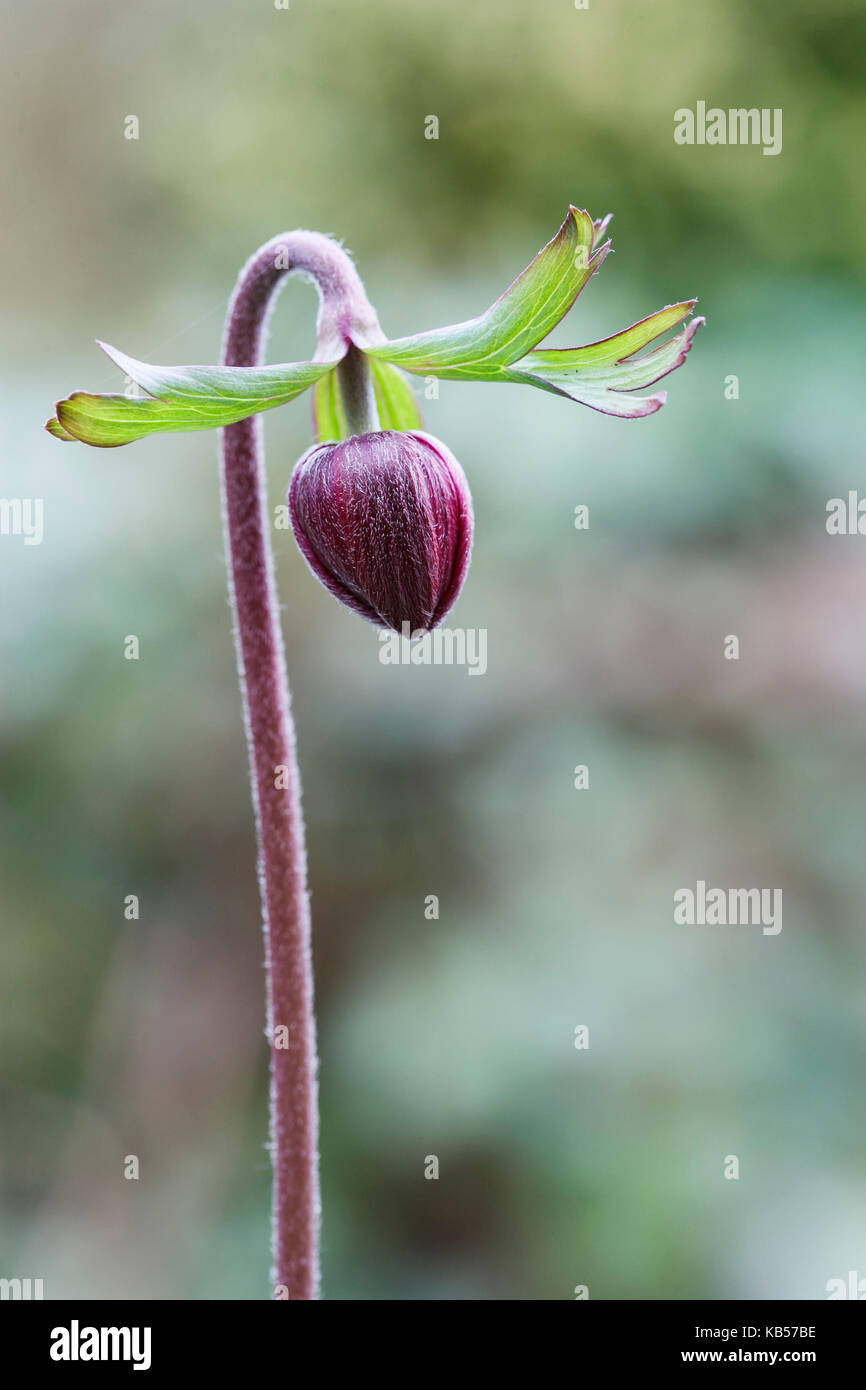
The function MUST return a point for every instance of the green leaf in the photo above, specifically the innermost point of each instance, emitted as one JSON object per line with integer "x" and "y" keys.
{"x": 180, "y": 398}
{"x": 54, "y": 427}
{"x": 398, "y": 409}
{"x": 110, "y": 420}
{"x": 620, "y": 345}
{"x": 329, "y": 420}
{"x": 519, "y": 319}
{"x": 226, "y": 387}
{"x": 602, "y": 375}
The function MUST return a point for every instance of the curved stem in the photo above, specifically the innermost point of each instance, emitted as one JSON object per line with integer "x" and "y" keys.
{"x": 344, "y": 315}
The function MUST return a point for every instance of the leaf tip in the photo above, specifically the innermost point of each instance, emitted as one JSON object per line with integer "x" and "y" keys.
{"x": 602, "y": 225}
{"x": 56, "y": 430}
{"x": 110, "y": 352}
{"x": 644, "y": 406}
{"x": 600, "y": 255}
{"x": 689, "y": 332}
{"x": 581, "y": 218}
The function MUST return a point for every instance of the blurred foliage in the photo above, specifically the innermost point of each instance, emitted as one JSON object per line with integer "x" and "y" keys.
{"x": 453, "y": 1037}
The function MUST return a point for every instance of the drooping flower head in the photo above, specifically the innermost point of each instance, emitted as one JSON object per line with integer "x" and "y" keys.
{"x": 384, "y": 521}
{"x": 381, "y": 510}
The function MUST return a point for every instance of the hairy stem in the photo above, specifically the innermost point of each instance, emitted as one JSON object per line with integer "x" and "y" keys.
{"x": 357, "y": 393}
{"x": 343, "y": 311}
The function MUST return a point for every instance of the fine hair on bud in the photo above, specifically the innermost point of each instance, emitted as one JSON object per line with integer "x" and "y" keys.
{"x": 384, "y": 521}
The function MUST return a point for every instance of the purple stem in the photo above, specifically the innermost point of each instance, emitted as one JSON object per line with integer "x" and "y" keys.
{"x": 344, "y": 315}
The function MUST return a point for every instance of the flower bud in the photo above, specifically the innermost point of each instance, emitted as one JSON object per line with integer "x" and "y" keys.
{"x": 384, "y": 521}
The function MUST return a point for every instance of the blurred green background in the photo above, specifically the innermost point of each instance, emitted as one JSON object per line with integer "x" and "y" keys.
{"x": 452, "y": 1037}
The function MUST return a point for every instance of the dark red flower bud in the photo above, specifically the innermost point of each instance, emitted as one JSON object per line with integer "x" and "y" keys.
{"x": 384, "y": 521}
